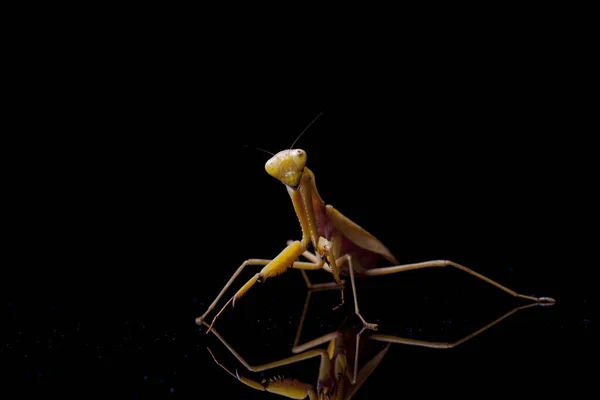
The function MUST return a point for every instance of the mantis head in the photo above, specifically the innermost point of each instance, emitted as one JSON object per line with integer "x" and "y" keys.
{"x": 287, "y": 166}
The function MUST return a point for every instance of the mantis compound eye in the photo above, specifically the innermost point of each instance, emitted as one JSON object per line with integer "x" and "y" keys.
{"x": 299, "y": 157}
{"x": 272, "y": 167}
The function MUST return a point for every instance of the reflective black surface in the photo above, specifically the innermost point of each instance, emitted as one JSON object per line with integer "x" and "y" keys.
{"x": 148, "y": 347}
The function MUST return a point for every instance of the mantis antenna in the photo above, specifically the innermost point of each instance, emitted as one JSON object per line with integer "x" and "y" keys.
{"x": 305, "y": 129}
{"x": 258, "y": 148}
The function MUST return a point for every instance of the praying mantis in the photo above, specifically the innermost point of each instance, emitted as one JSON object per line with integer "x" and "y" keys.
{"x": 341, "y": 247}
{"x": 340, "y": 374}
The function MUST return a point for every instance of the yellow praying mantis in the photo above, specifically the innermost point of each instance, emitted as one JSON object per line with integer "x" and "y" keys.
{"x": 341, "y": 247}
{"x": 340, "y": 373}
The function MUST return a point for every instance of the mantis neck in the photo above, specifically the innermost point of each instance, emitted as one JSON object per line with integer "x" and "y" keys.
{"x": 302, "y": 199}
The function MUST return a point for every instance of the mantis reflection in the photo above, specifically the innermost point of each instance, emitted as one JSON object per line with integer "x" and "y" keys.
{"x": 340, "y": 373}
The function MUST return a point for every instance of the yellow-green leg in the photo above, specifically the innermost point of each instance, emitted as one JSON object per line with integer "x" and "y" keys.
{"x": 366, "y": 324}
{"x": 445, "y": 263}
{"x": 544, "y": 301}
{"x": 253, "y": 262}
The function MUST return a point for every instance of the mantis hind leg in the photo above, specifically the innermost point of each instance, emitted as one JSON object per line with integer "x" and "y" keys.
{"x": 544, "y": 301}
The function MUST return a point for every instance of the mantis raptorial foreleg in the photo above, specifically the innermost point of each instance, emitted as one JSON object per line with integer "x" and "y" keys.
{"x": 251, "y": 262}
{"x": 285, "y": 260}
{"x": 317, "y": 286}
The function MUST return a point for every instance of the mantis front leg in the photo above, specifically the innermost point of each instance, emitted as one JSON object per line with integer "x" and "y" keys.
{"x": 287, "y": 258}
{"x": 302, "y": 266}
{"x": 278, "y": 265}
{"x": 252, "y": 261}
{"x": 317, "y": 286}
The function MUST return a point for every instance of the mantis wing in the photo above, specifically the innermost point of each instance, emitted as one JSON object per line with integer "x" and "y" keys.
{"x": 358, "y": 235}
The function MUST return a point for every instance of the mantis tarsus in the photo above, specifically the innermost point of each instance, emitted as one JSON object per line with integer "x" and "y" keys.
{"x": 341, "y": 247}
{"x": 340, "y": 375}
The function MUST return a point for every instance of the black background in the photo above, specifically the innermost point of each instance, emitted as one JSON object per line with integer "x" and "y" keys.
{"x": 135, "y": 198}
